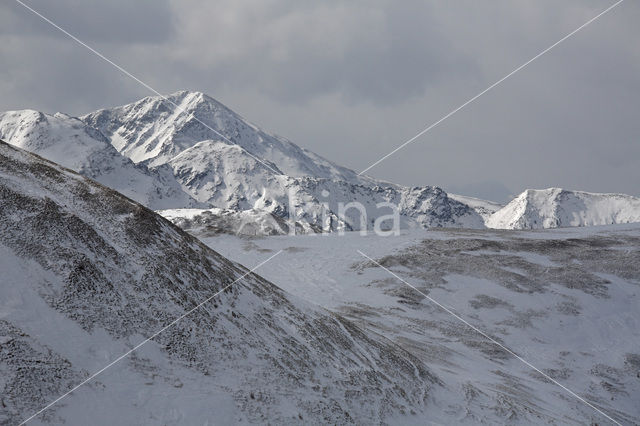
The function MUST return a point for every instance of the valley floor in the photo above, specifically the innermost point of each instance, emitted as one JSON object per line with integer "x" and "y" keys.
{"x": 565, "y": 300}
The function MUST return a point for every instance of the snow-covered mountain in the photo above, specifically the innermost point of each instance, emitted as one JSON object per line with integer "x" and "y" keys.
{"x": 155, "y": 130}
{"x": 71, "y": 143}
{"x": 221, "y": 159}
{"x": 190, "y": 151}
{"x": 555, "y": 208}
{"x": 87, "y": 274}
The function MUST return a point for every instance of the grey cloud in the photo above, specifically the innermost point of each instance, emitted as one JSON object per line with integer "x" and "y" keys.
{"x": 113, "y": 21}
{"x": 372, "y": 51}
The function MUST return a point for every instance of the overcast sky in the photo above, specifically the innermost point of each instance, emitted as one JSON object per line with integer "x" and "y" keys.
{"x": 352, "y": 80}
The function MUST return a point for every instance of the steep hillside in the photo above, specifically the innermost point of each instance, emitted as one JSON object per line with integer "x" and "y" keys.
{"x": 87, "y": 274}
{"x": 555, "y": 208}
{"x": 71, "y": 143}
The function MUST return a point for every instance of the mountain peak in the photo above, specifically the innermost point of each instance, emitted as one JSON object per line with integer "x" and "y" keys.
{"x": 156, "y": 129}
{"x": 557, "y": 207}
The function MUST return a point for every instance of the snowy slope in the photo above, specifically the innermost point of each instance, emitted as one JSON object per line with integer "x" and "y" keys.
{"x": 555, "y": 208}
{"x": 566, "y": 300}
{"x": 87, "y": 274}
{"x": 73, "y": 144}
{"x": 483, "y": 207}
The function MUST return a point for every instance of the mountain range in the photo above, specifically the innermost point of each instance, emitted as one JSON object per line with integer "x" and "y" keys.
{"x": 188, "y": 151}
{"x": 90, "y": 272}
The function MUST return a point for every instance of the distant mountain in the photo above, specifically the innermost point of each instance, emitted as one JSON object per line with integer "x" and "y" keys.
{"x": 203, "y": 155}
{"x": 87, "y": 274}
{"x": 555, "y": 208}
{"x": 73, "y": 144}
{"x": 153, "y": 130}
{"x": 248, "y": 169}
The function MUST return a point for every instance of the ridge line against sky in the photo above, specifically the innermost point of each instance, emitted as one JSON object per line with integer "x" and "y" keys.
{"x": 343, "y": 80}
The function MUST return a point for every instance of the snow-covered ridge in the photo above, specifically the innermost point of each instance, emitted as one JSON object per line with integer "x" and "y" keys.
{"x": 191, "y": 151}
{"x": 70, "y": 142}
{"x": 201, "y": 154}
{"x": 87, "y": 274}
{"x": 556, "y": 207}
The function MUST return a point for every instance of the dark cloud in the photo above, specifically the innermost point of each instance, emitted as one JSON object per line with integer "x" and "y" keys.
{"x": 369, "y": 51}
{"x": 113, "y": 21}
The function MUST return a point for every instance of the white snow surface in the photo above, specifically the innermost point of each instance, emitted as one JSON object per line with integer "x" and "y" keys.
{"x": 565, "y": 300}
{"x": 556, "y": 208}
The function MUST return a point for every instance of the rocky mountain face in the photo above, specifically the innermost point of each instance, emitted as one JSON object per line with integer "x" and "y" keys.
{"x": 556, "y": 208}
{"x": 88, "y": 274}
